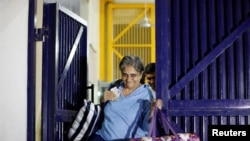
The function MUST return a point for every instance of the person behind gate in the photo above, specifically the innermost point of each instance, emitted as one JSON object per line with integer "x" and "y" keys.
{"x": 127, "y": 106}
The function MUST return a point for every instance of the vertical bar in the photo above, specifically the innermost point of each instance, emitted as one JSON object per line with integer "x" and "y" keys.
{"x": 31, "y": 74}
{"x": 163, "y": 49}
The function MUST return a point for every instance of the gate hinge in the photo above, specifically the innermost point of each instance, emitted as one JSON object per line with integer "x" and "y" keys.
{"x": 40, "y": 34}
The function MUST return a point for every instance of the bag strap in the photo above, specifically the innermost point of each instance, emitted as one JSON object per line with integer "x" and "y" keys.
{"x": 166, "y": 124}
{"x": 152, "y": 127}
{"x": 115, "y": 83}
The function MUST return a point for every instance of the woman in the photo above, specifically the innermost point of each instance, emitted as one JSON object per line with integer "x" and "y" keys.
{"x": 149, "y": 78}
{"x": 149, "y": 75}
{"x": 127, "y": 109}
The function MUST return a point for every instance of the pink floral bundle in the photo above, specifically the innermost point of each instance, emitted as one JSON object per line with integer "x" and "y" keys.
{"x": 182, "y": 137}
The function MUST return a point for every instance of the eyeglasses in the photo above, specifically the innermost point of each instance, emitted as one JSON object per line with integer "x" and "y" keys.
{"x": 132, "y": 75}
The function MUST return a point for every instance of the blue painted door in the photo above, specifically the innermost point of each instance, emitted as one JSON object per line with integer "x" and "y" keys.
{"x": 64, "y": 77}
{"x": 203, "y": 63}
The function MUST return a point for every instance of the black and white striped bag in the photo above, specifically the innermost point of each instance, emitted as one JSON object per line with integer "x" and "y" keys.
{"x": 87, "y": 121}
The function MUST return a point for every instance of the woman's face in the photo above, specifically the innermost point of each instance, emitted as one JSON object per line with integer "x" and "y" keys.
{"x": 150, "y": 79}
{"x": 131, "y": 77}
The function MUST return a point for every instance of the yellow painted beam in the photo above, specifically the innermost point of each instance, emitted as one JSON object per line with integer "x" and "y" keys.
{"x": 153, "y": 39}
{"x": 102, "y": 65}
{"x": 109, "y": 53}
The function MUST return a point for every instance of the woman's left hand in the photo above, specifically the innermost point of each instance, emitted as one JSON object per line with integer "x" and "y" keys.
{"x": 159, "y": 103}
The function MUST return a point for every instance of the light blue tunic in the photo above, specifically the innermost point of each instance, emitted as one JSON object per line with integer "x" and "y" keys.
{"x": 127, "y": 117}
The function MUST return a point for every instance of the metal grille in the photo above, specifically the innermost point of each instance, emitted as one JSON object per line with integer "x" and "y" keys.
{"x": 206, "y": 80}
{"x": 65, "y": 70}
{"x": 128, "y": 37}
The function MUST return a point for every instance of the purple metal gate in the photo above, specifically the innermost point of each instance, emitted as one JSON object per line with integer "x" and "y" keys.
{"x": 64, "y": 70}
{"x": 203, "y": 62}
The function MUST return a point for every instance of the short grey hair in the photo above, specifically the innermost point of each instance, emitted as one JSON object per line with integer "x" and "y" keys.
{"x": 131, "y": 60}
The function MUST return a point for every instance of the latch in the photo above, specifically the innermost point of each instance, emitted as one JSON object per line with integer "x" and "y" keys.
{"x": 40, "y": 34}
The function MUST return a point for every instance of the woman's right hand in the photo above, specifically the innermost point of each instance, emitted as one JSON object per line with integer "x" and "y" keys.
{"x": 108, "y": 95}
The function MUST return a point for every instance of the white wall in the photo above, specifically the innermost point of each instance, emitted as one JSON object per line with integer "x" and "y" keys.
{"x": 13, "y": 72}
{"x": 13, "y": 62}
{"x": 90, "y": 8}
